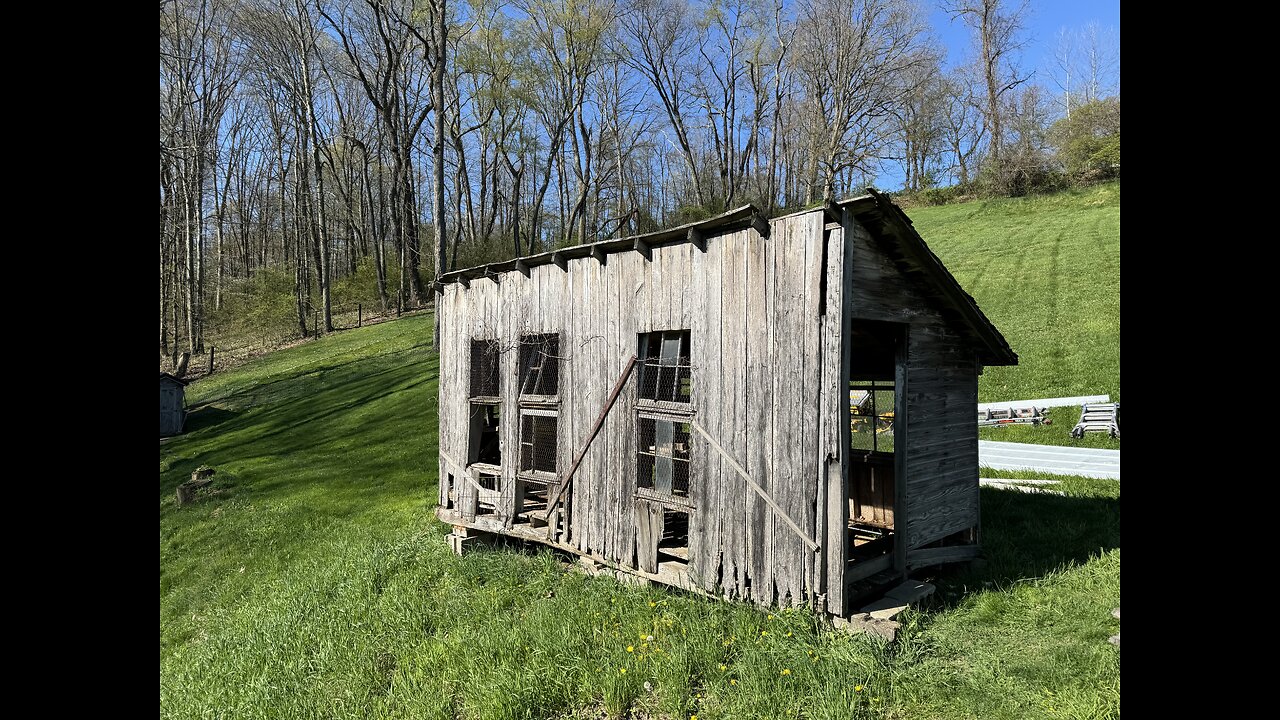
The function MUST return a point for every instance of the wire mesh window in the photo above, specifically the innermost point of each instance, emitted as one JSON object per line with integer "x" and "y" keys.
{"x": 540, "y": 364}
{"x": 489, "y": 497}
{"x": 662, "y": 454}
{"x": 871, "y": 407}
{"x": 538, "y": 443}
{"x": 484, "y": 368}
{"x": 665, "y": 372}
{"x": 486, "y": 420}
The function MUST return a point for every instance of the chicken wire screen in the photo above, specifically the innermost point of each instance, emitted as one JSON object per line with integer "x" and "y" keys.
{"x": 484, "y": 368}
{"x": 540, "y": 364}
{"x": 662, "y": 454}
{"x": 871, "y": 404}
{"x": 538, "y": 443}
{"x": 665, "y": 371}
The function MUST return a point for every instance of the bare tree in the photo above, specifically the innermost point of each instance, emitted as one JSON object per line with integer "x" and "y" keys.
{"x": 996, "y": 27}
{"x": 852, "y": 63}
{"x": 662, "y": 47}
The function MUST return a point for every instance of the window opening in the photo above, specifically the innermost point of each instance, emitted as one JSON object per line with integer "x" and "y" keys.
{"x": 484, "y": 369}
{"x": 540, "y": 364}
{"x": 665, "y": 369}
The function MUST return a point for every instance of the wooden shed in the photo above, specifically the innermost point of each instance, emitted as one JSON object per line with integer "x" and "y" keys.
{"x": 780, "y": 411}
{"x": 173, "y": 411}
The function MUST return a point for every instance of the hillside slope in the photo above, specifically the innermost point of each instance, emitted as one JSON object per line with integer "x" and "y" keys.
{"x": 1046, "y": 270}
{"x": 313, "y": 581}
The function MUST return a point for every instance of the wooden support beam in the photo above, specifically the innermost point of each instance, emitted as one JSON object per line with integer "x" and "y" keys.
{"x": 923, "y": 557}
{"x": 759, "y": 490}
{"x": 598, "y": 254}
{"x": 495, "y": 277}
{"x": 523, "y": 267}
{"x": 698, "y": 239}
{"x": 464, "y": 282}
{"x": 761, "y": 225}
{"x": 437, "y": 286}
{"x": 559, "y": 259}
{"x": 864, "y": 569}
{"x": 643, "y": 248}
{"x": 595, "y": 430}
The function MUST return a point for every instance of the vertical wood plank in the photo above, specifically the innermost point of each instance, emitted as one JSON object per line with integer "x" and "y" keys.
{"x": 806, "y": 495}
{"x": 707, "y": 378}
{"x": 734, "y": 430}
{"x": 839, "y": 278}
{"x": 759, "y": 392}
{"x": 630, "y": 281}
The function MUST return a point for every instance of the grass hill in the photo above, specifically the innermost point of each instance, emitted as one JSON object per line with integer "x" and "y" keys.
{"x": 311, "y": 580}
{"x": 1046, "y": 270}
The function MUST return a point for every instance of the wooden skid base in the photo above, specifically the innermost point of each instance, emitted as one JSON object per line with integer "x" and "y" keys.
{"x": 670, "y": 573}
{"x": 870, "y": 578}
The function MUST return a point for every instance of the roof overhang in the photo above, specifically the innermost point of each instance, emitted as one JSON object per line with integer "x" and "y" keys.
{"x": 694, "y": 232}
{"x": 896, "y": 235}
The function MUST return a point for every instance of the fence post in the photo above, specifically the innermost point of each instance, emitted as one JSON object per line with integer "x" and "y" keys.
{"x": 210, "y": 360}
{"x": 359, "y": 314}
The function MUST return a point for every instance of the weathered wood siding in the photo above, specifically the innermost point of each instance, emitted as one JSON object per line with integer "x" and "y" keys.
{"x": 172, "y": 407}
{"x": 752, "y": 305}
{"x": 941, "y": 393}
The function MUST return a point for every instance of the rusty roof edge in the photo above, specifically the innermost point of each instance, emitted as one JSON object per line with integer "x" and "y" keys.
{"x": 679, "y": 233}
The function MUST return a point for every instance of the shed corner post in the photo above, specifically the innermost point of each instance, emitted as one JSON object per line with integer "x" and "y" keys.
{"x": 901, "y": 455}
{"x": 839, "y": 291}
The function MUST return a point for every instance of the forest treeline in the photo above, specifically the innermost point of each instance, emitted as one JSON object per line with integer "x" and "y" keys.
{"x": 319, "y": 153}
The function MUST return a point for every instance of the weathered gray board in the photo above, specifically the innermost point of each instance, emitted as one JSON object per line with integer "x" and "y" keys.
{"x": 941, "y": 394}
{"x": 751, "y": 305}
{"x": 172, "y": 406}
{"x": 770, "y": 364}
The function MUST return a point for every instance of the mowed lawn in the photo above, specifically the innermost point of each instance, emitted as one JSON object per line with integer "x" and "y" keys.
{"x": 313, "y": 582}
{"x": 1046, "y": 271}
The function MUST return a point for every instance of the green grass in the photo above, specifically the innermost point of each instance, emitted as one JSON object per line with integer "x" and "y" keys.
{"x": 1046, "y": 271}
{"x": 312, "y": 581}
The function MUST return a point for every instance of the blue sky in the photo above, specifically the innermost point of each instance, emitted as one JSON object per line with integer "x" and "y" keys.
{"x": 1043, "y": 21}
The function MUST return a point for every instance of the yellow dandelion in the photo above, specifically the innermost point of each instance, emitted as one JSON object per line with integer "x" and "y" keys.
{"x": 857, "y": 688}
{"x": 788, "y": 633}
{"x": 764, "y": 632}
{"x": 732, "y": 681}
{"x": 622, "y": 671}
{"x": 631, "y": 648}
{"x": 641, "y": 636}
{"x": 770, "y": 617}
{"x": 693, "y": 717}
{"x": 786, "y": 671}
{"x": 653, "y": 604}
{"x": 723, "y": 667}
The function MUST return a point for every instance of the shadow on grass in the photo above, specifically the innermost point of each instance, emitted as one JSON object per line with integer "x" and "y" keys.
{"x": 340, "y": 425}
{"x": 1026, "y": 536}
{"x": 206, "y": 416}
